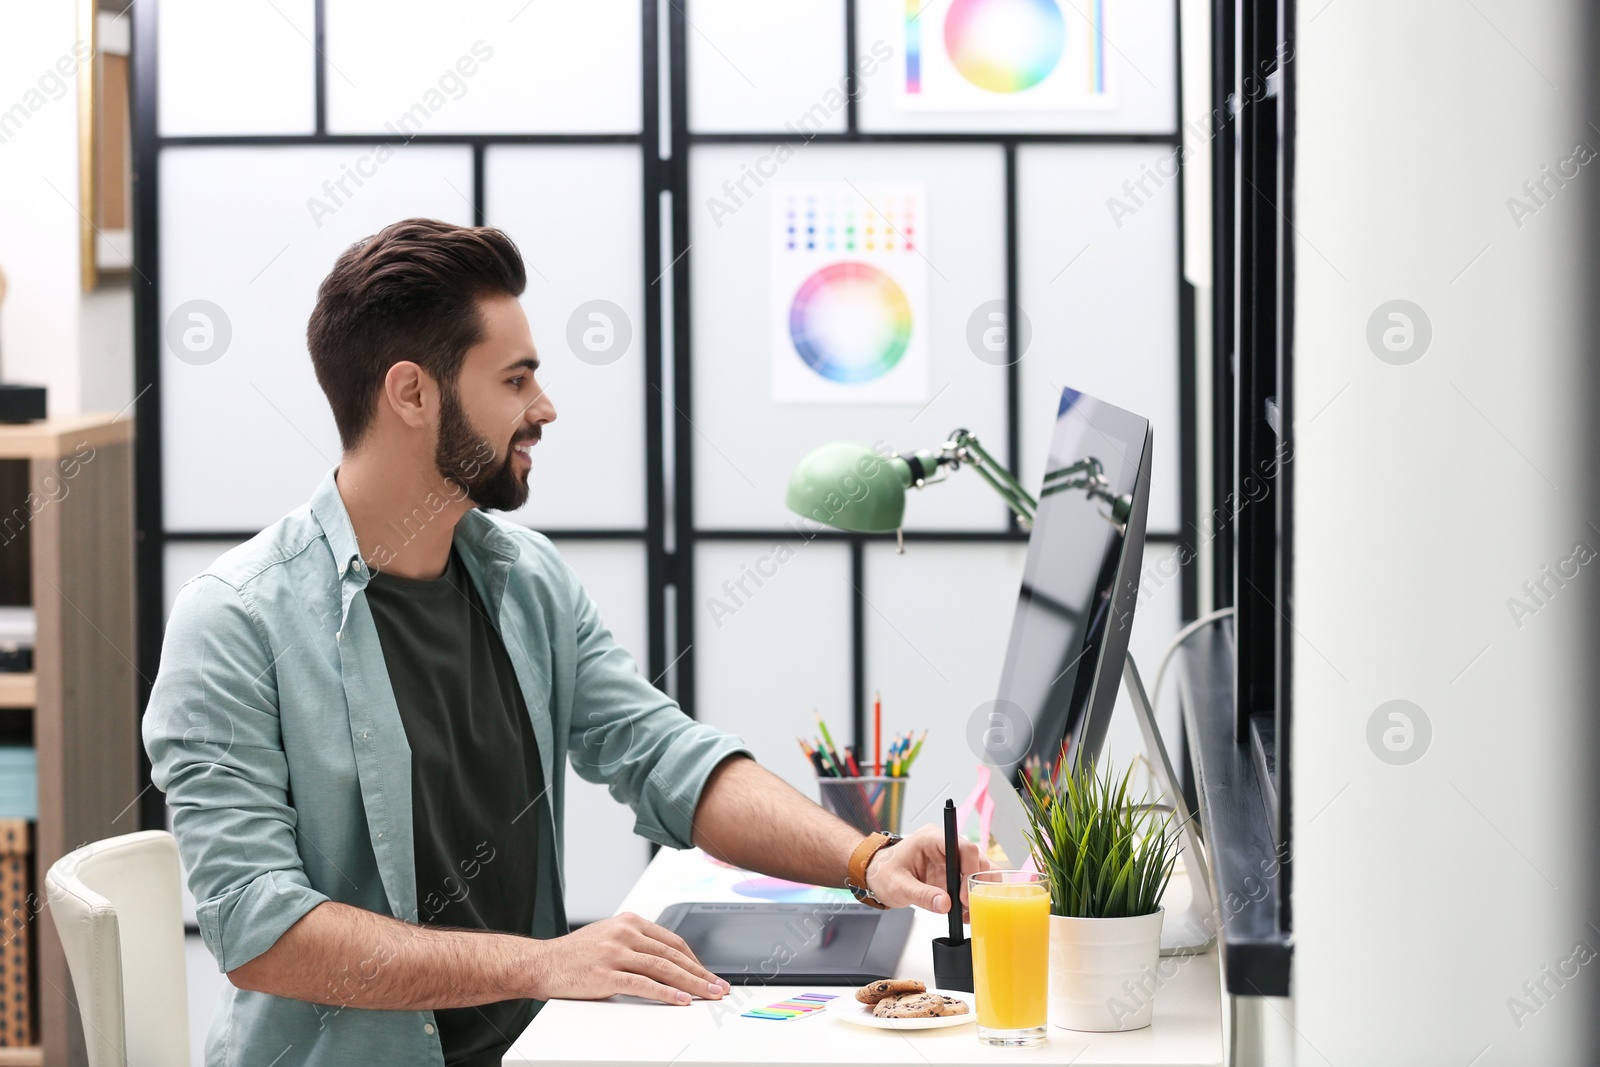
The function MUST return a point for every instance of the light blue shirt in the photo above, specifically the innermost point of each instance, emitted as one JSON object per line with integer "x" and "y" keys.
{"x": 274, "y": 733}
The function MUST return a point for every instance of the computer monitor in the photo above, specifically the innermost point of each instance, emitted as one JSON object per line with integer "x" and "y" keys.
{"x": 1069, "y": 634}
{"x": 1068, "y": 654}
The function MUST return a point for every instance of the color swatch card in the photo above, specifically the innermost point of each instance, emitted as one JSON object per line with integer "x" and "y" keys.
{"x": 1005, "y": 55}
{"x": 849, "y": 294}
{"x": 793, "y": 1008}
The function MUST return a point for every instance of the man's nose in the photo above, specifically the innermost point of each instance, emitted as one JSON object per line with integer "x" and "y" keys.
{"x": 542, "y": 410}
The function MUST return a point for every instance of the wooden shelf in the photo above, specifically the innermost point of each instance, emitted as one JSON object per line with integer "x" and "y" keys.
{"x": 61, "y": 436}
{"x": 78, "y": 574}
{"x": 17, "y": 691}
{"x": 22, "y": 1056}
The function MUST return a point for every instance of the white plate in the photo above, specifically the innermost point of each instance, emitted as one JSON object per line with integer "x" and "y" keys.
{"x": 848, "y": 1009}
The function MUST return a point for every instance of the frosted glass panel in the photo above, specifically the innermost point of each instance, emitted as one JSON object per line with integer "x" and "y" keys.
{"x": 247, "y": 433}
{"x": 937, "y": 621}
{"x": 1139, "y": 54}
{"x": 576, "y": 214}
{"x": 490, "y": 66}
{"x": 742, "y": 79}
{"x": 746, "y": 444}
{"x": 768, "y": 654}
{"x": 603, "y": 856}
{"x": 1100, "y": 291}
{"x": 184, "y": 560}
{"x": 236, "y": 68}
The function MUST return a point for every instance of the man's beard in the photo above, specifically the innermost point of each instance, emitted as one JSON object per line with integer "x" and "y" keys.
{"x": 465, "y": 457}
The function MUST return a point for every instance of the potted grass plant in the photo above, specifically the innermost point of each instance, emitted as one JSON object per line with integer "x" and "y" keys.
{"x": 1108, "y": 858}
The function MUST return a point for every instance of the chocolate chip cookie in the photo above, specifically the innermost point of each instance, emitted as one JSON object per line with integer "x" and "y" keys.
{"x": 873, "y": 992}
{"x": 918, "y": 1006}
{"x": 910, "y": 1006}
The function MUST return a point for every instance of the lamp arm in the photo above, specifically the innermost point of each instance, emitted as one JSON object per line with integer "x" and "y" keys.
{"x": 1019, "y": 506}
{"x": 963, "y": 447}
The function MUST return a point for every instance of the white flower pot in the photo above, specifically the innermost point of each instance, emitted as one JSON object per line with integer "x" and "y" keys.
{"x": 1103, "y": 973}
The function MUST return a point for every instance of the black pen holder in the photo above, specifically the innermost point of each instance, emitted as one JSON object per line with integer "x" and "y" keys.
{"x": 952, "y": 964}
{"x": 869, "y": 802}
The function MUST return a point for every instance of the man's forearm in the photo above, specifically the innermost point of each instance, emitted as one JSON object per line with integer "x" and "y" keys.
{"x": 348, "y": 957}
{"x": 751, "y": 818}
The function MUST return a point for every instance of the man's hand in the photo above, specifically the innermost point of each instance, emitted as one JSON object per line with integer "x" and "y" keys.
{"x": 912, "y": 872}
{"x": 623, "y": 954}
{"x": 742, "y": 801}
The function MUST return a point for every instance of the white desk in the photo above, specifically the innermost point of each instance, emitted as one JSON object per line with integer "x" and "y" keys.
{"x": 1187, "y": 1028}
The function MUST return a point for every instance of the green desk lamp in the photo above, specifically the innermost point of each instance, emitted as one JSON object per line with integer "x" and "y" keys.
{"x": 853, "y": 487}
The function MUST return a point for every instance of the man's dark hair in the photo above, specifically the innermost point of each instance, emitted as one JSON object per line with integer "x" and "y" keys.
{"x": 408, "y": 292}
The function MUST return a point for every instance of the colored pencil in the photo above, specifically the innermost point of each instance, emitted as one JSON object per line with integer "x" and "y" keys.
{"x": 915, "y": 749}
{"x": 877, "y": 732}
{"x": 826, "y": 737}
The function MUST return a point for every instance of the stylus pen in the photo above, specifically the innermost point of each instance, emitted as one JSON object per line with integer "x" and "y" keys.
{"x": 952, "y": 872}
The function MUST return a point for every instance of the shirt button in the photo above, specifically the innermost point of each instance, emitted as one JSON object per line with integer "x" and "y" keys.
{"x": 380, "y": 835}
{"x": 427, "y": 1028}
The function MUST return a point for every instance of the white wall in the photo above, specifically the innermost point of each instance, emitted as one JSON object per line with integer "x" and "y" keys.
{"x": 105, "y": 346}
{"x": 80, "y": 346}
{"x": 39, "y": 191}
{"x": 1198, "y": 128}
{"x": 1426, "y": 894}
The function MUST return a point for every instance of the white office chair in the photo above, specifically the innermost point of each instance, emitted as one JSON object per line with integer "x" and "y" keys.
{"x": 118, "y": 909}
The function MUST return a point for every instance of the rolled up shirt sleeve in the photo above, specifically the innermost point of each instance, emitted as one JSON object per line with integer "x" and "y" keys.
{"x": 634, "y": 738}
{"x": 216, "y": 751}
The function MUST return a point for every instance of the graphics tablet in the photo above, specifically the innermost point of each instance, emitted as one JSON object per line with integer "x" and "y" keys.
{"x": 824, "y": 943}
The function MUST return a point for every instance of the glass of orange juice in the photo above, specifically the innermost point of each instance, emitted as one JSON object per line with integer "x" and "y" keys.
{"x": 1010, "y": 955}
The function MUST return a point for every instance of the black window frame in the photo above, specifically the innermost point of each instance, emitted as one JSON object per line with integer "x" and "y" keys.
{"x": 1237, "y": 681}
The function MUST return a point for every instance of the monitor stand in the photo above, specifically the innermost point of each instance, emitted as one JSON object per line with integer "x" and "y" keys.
{"x": 1193, "y": 930}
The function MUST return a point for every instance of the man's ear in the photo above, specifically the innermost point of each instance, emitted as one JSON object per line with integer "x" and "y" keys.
{"x": 410, "y": 392}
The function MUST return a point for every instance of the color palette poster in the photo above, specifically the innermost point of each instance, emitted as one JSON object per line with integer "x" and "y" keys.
{"x": 1006, "y": 55}
{"x": 849, "y": 294}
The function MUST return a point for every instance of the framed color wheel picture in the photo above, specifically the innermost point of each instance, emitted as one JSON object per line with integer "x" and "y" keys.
{"x": 1006, "y": 55}
{"x": 849, "y": 295}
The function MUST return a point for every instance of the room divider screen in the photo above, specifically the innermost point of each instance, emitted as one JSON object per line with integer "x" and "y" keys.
{"x": 644, "y": 156}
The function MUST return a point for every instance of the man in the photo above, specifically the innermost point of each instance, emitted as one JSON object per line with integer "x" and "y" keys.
{"x": 363, "y": 714}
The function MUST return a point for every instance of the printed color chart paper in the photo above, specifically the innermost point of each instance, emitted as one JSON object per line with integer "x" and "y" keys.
{"x": 849, "y": 294}
{"x": 1005, "y": 55}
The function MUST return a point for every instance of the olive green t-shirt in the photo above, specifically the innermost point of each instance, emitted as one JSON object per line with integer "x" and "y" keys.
{"x": 476, "y": 779}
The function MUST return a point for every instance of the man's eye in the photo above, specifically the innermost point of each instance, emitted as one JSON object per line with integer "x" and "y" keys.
{"x": 517, "y": 381}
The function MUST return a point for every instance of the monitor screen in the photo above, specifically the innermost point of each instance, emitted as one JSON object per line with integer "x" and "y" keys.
{"x": 1075, "y": 609}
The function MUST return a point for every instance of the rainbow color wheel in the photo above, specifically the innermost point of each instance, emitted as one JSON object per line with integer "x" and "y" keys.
{"x": 1004, "y": 46}
{"x": 784, "y": 891}
{"x": 850, "y": 322}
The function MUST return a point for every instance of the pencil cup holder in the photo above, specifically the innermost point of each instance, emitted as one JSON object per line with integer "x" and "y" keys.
{"x": 871, "y": 802}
